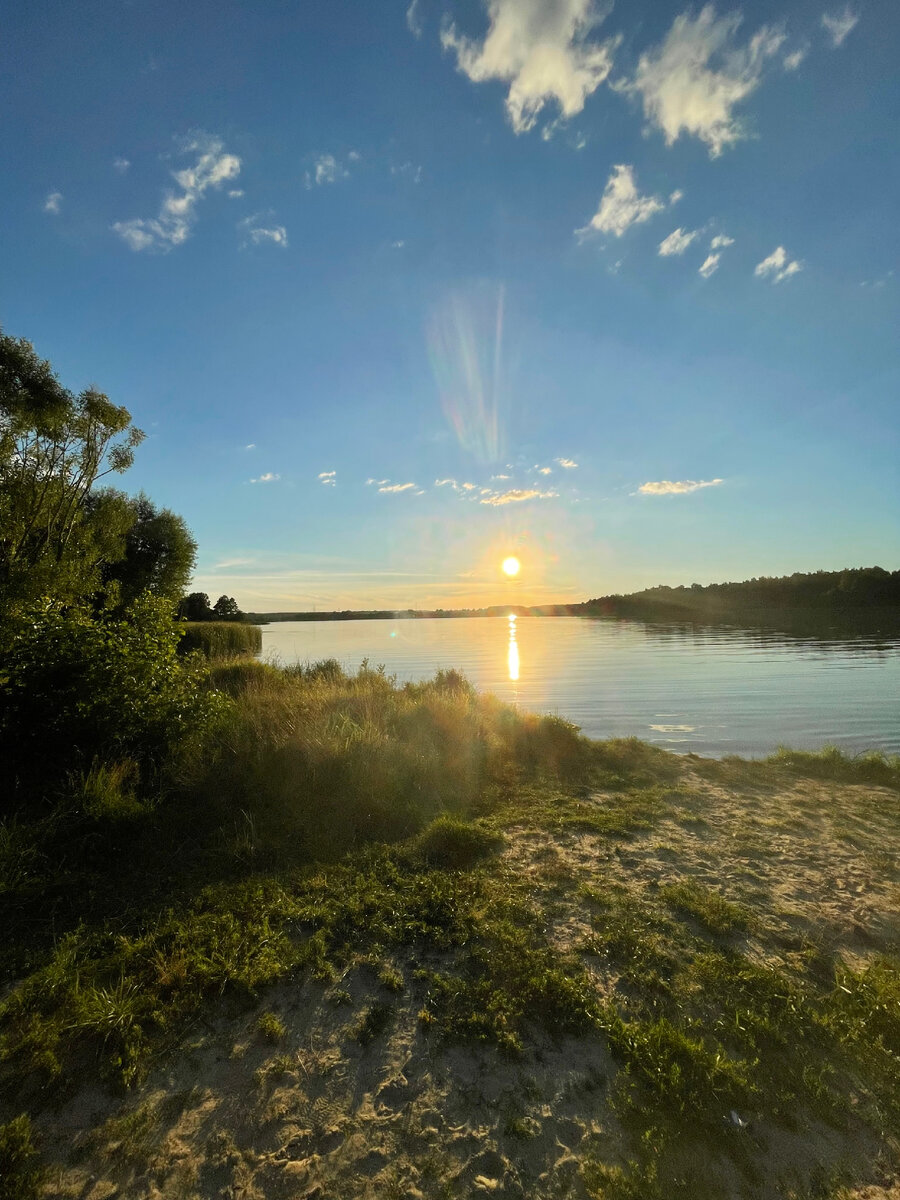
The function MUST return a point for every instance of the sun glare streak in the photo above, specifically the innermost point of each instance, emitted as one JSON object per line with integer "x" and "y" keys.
{"x": 465, "y": 347}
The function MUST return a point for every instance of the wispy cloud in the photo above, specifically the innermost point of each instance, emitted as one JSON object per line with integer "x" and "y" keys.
{"x": 328, "y": 478}
{"x": 693, "y": 81}
{"x": 250, "y": 446}
{"x": 720, "y": 241}
{"x": 680, "y": 487}
{"x": 212, "y": 167}
{"x": 569, "y": 464}
{"x": 622, "y": 206}
{"x": 387, "y": 487}
{"x": 777, "y": 266}
{"x": 839, "y": 24}
{"x": 414, "y": 19}
{"x": 677, "y": 242}
{"x": 121, "y": 165}
{"x": 53, "y": 203}
{"x": 259, "y": 234}
{"x": 544, "y": 470}
{"x": 516, "y": 496}
{"x": 328, "y": 169}
{"x": 542, "y": 50}
{"x": 793, "y": 60}
{"x": 709, "y": 265}
{"x": 268, "y": 477}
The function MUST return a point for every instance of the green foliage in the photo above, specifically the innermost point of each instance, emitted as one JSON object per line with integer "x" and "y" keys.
{"x": 159, "y": 555}
{"x": 21, "y": 1174}
{"x": 831, "y": 763}
{"x": 76, "y": 688}
{"x": 709, "y": 908}
{"x": 220, "y": 639}
{"x": 454, "y": 844}
{"x": 54, "y": 448}
{"x": 271, "y": 1028}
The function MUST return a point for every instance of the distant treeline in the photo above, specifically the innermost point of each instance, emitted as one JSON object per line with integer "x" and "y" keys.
{"x": 826, "y": 593}
{"x": 820, "y": 592}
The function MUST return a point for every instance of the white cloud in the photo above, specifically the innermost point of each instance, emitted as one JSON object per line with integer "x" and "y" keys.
{"x": 677, "y": 242}
{"x": 172, "y": 227}
{"x": 568, "y": 463}
{"x": 720, "y": 241}
{"x": 268, "y": 477}
{"x": 682, "y": 92}
{"x": 621, "y": 205}
{"x": 235, "y": 193}
{"x": 495, "y": 477}
{"x": 398, "y": 245}
{"x": 121, "y": 165}
{"x": 777, "y": 266}
{"x": 396, "y": 487}
{"x": 250, "y": 446}
{"x": 516, "y": 495}
{"x": 53, "y": 203}
{"x": 709, "y": 265}
{"x": 793, "y": 60}
{"x": 328, "y": 478}
{"x": 668, "y": 487}
{"x": 839, "y": 24}
{"x": 414, "y": 19}
{"x": 544, "y": 470}
{"x": 260, "y": 234}
{"x": 541, "y": 49}
{"x": 327, "y": 169}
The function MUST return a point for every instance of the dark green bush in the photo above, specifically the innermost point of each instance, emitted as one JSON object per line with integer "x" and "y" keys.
{"x": 20, "y": 1171}
{"x": 220, "y": 639}
{"x": 451, "y": 843}
{"x": 77, "y": 688}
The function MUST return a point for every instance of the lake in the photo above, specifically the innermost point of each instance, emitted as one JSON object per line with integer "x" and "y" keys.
{"x": 712, "y": 690}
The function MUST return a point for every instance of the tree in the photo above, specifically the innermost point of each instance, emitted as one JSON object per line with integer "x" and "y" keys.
{"x": 159, "y": 555}
{"x": 195, "y": 607}
{"x": 226, "y": 609}
{"x": 54, "y": 448}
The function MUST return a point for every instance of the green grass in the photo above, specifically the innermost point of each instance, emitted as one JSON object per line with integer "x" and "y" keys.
{"x": 220, "y": 639}
{"x": 347, "y": 831}
{"x": 21, "y": 1174}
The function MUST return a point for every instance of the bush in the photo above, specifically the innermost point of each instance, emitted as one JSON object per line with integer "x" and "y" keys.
{"x": 454, "y": 844}
{"x": 77, "y": 689}
{"x": 220, "y": 639}
{"x": 20, "y": 1171}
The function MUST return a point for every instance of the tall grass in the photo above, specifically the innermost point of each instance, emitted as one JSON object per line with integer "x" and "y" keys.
{"x": 220, "y": 639}
{"x": 316, "y": 761}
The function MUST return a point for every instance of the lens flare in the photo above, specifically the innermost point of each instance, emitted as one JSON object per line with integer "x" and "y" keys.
{"x": 511, "y": 566}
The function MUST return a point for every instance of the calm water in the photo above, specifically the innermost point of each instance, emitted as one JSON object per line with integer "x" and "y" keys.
{"x": 711, "y": 690}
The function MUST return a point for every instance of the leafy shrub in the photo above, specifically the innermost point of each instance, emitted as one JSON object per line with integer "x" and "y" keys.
{"x": 77, "y": 689}
{"x": 20, "y": 1171}
{"x": 220, "y": 639}
{"x": 452, "y": 843}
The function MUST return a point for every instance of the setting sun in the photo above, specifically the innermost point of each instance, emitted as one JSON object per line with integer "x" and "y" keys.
{"x": 511, "y": 566}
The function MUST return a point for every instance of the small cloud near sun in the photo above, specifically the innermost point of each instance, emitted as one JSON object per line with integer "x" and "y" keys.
{"x": 516, "y": 496}
{"x": 567, "y": 464}
{"x": 679, "y": 487}
{"x": 386, "y": 487}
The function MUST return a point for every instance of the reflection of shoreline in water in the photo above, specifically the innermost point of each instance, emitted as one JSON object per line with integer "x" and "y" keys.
{"x": 512, "y": 653}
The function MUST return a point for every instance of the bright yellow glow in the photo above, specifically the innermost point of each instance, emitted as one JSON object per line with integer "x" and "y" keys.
{"x": 512, "y": 654}
{"x": 511, "y": 566}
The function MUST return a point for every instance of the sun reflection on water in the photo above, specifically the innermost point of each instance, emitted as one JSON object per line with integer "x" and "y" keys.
{"x": 512, "y": 654}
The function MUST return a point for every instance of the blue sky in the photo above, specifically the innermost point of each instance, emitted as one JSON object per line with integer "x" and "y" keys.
{"x": 397, "y": 290}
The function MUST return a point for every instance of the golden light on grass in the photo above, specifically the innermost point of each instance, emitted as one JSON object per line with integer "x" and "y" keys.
{"x": 511, "y": 566}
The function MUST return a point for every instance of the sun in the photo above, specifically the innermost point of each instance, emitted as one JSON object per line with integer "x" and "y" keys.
{"x": 511, "y": 566}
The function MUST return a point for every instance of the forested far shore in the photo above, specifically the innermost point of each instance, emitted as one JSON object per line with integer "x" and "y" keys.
{"x": 852, "y": 591}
